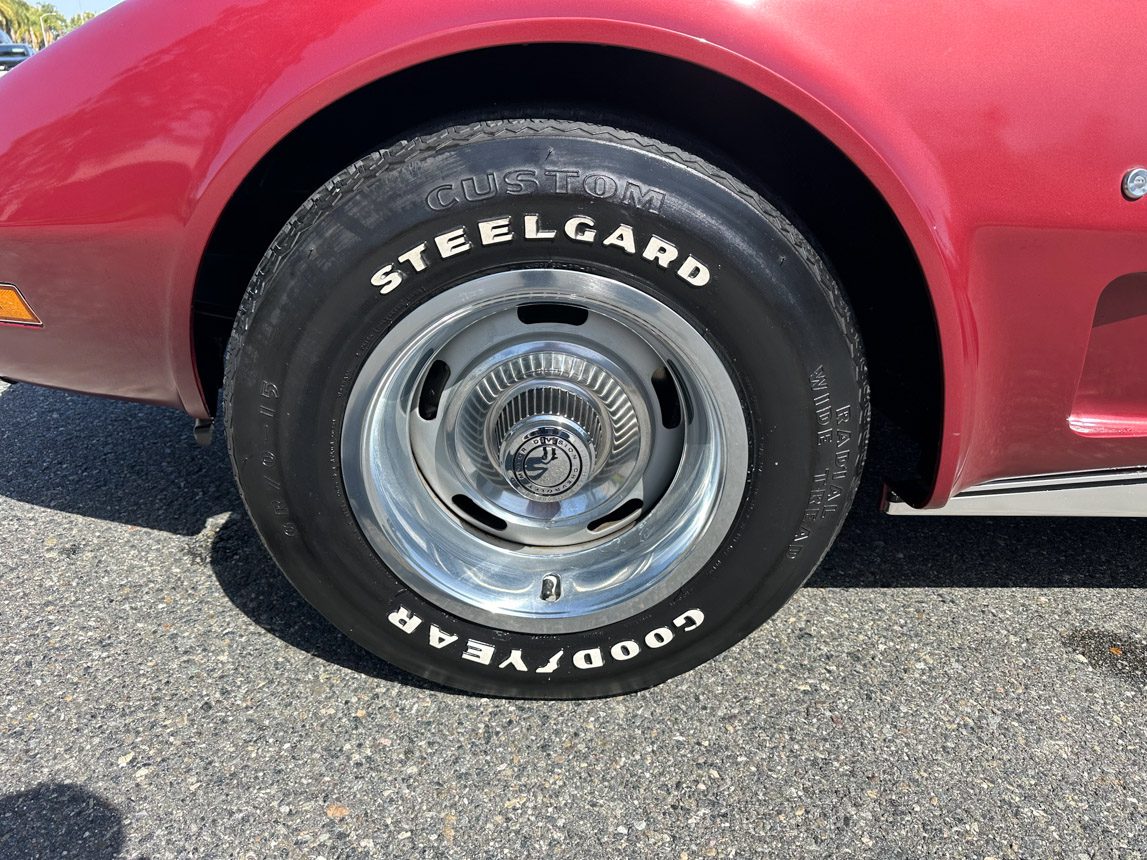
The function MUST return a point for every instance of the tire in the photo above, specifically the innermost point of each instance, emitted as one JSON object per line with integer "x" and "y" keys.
{"x": 443, "y": 420}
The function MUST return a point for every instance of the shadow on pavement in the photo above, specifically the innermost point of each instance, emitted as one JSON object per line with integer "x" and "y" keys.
{"x": 875, "y": 550}
{"x": 55, "y": 820}
{"x": 253, "y": 583}
{"x": 139, "y": 465}
{"x": 120, "y": 462}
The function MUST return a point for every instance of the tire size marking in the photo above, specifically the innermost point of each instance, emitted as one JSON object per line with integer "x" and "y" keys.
{"x": 830, "y": 485}
{"x": 487, "y": 654}
{"x": 268, "y": 461}
{"x": 531, "y": 180}
{"x": 530, "y": 228}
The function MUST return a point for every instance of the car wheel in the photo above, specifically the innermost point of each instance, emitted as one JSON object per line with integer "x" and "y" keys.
{"x": 544, "y": 409}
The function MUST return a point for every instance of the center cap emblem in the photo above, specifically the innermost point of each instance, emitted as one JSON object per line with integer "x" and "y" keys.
{"x": 547, "y": 465}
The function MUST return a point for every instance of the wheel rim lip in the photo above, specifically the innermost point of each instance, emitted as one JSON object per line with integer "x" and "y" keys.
{"x": 446, "y": 562}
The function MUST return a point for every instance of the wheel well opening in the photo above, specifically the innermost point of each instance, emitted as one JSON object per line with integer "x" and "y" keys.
{"x": 715, "y": 117}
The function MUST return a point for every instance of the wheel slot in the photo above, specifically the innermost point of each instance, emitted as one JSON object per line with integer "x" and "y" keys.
{"x": 668, "y": 398}
{"x": 623, "y": 513}
{"x": 471, "y": 509}
{"x": 432, "y": 388}
{"x": 549, "y": 312}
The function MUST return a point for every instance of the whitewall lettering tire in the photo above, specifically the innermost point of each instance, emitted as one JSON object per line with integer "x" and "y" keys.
{"x": 544, "y": 409}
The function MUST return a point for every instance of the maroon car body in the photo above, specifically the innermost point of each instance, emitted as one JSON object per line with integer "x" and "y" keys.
{"x": 998, "y": 136}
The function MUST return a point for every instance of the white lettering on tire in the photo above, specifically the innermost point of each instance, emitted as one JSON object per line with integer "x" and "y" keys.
{"x": 478, "y": 652}
{"x": 404, "y": 620}
{"x": 387, "y": 279}
{"x": 694, "y": 272}
{"x": 440, "y": 640}
{"x": 515, "y": 660}
{"x": 416, "y": 257}
{"x": 661, "y": 252}
{"x": 502, "y": 230}
{"x": 551, "y": 665}
{"x": 580, "y": 229}
{"x": 495, "y": 231}
{"x": 533, "y": 231}
{"x": 626, "y": 650}
{"x": 690, "y": 620}
{"x": 590, "y": 658}
{"x": 586, "y": 659}
{"x": 452, "y": 243}
{"x": 622, "y": 238}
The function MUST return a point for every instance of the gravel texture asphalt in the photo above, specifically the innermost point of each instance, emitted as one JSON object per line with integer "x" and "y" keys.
{"x": 943, "y": 688}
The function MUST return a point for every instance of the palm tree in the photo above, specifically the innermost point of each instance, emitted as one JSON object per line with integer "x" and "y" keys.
{"x": 16, "y": 14}
{"x": 13, "y": 14}
{"x": 8, "y": 11}
{"x": 36, "y": 24}
{"x": 20, "y": 19}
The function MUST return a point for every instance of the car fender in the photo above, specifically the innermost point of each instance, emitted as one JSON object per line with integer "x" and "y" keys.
{"x": 149, "y": 142}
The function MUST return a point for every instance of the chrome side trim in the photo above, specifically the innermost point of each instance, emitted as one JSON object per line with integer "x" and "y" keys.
{"x": 1103, "y": 493}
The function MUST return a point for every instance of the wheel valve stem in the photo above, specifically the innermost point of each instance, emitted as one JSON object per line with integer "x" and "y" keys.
{"x": 551, "y": 587}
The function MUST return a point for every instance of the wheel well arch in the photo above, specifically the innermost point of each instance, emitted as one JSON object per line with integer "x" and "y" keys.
{"x": 714, "y": 116}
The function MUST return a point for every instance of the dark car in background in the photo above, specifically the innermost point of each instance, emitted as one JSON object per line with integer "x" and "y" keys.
{"x": 11, "y": 53}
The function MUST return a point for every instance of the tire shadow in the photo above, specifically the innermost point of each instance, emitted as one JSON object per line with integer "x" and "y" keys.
{"x": 59, "y": 820}
{"x": 875, "y": 550}
{"x": 139, "y": 465}
{"x": 258, "y": 589}
{"x": 109, "y": 460}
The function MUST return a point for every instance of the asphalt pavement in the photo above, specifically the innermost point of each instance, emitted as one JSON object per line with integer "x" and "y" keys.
{"x": 943, "y": 688}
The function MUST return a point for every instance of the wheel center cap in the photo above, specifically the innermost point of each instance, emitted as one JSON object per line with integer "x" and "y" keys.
{"x": 547, "y": 440}
{"x": 549, "y": 463}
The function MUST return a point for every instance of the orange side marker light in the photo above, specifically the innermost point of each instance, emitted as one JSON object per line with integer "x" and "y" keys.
{"x": 13, "y": 308}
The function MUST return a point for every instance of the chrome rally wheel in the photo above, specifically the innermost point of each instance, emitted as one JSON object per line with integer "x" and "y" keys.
{"x": 544, "y": 451}
{"x": 544, "y": 409}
